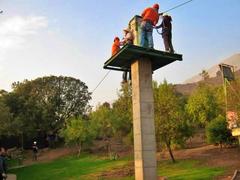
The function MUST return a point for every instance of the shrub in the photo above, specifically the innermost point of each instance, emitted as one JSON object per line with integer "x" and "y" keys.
{"x": 217, "y": 131}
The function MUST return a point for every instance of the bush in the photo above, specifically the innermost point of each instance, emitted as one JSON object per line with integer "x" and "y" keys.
{"x": 15, "y": 157}
{"x": 218, "y": 133}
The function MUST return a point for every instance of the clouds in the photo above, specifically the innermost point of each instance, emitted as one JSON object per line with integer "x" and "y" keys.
{"x": 15, "y": 30}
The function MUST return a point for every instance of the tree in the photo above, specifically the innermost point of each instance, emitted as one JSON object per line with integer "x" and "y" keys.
{"x": 101, "y": 120}
{"x": 76, "y": 132}
{"x": 6, "y": 128}
{"x": 220, "y": 99}
{"x": 3, "y": 92}
{"x": 202, "y": 105}
{"x": 170, "y": 123}
{"x": 217, "y": 131}
{"x": 233, "y": 96}
{"x": 114, "y": 122}
{"x": 122, "y": 112}
{"x": 102, "y": 123}
{"x": 10, "y": 125}
{"x": 204, "y": 74}
{"x": 45, "y": 103}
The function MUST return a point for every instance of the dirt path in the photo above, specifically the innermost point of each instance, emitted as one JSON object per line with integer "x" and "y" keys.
{"x": 11, "y": 177}
{"x": 47, "y": 155}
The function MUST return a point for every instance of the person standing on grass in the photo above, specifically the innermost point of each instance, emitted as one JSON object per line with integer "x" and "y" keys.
{"x": 35, "y": 150}
{"x": 3, "y": 166}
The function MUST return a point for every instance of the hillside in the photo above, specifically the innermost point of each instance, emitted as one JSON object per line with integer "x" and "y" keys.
{"x": 214, "y": 73}
{"x": 233, "y": 60}
{"x": 188, "y": 88}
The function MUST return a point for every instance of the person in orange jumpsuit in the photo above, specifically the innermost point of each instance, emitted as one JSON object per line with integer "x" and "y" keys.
{"x": 149, "y": 20}
{"x": 116, "y": 46}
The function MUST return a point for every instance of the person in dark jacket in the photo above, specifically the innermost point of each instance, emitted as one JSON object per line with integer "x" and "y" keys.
{"x": 166, "y": 26}
{"x": 3, "y": 166}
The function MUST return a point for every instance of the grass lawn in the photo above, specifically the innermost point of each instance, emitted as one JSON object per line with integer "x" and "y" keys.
{"x": 187, "y": 169}
{"x": 12, "y": 163}
{"x": 89, "y": 167}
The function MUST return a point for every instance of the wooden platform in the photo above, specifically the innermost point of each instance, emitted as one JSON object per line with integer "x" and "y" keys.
{"x": 128, "y": 53}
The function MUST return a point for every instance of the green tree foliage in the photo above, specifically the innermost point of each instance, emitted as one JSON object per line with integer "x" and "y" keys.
{"x": 45, "y": 103}
{"x": 233, "y": 96}
{"x": 217, "y": 131}
{"x": 77, "y": 132}
{"x": 114, "y": 123}
{"x": 170, "y": 123}
{"x": 202, "y": 105}
{"x": 101, "y": 121}
{"x": 122, "y": 110}
{"x": 7, "y": 127}
{"x": 10, "y": 125}
{"x": 220, "y": 99}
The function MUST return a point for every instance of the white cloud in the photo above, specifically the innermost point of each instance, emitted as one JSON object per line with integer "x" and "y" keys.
{"x": 15, "y": 30}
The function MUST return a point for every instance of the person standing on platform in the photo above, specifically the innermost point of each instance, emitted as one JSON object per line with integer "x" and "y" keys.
{"x": 116, "y": 46}
{"x": 127, "y": 39}
{"x": 150, "y": 18}
{"x": 115, "y": 49}
{"x": 128, "y": 36}
{"x": 166, "y": 26}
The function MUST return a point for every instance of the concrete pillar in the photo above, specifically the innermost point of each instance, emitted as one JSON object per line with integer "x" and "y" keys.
{"x": 143, "y": 120}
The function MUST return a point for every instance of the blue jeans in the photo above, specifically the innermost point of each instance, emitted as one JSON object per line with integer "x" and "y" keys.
{"x": 146, "y": 34}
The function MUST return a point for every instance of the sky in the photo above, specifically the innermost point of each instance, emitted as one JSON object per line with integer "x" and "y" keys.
{"x": 74, "y": 38}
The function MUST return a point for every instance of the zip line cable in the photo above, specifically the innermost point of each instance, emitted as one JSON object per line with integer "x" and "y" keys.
{"x": 175, "y": 7}
{"x": 101, "y": 80}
